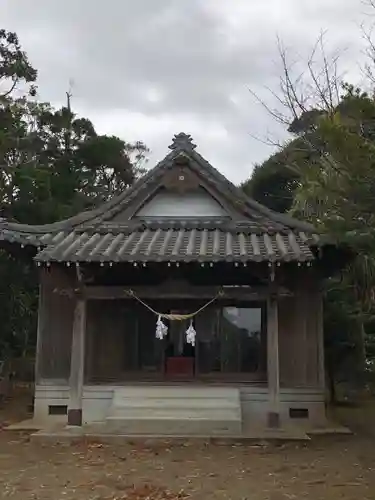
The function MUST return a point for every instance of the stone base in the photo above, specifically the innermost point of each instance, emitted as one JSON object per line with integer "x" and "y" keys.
{"x": 254, "y": 404}
{"x": 75, "y": 418}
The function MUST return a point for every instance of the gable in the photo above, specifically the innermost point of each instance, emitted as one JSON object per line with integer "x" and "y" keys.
{"x": 197, "y": 203}
{"x": 177, "y": 190}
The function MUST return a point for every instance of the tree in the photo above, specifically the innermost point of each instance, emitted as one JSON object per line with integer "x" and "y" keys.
{"x": 112, "y": 163}
{"x": 273, "y": 183}
{"x": 53, "y": 165}
{"x": 15, "y": 67}
{"x": 332, "y": 156}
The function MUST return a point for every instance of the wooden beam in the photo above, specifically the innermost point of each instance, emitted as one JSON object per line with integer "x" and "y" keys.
{"x": 77, "y": 364}
{"x": 185, "y": 292}
{"x": 273, "y": 362}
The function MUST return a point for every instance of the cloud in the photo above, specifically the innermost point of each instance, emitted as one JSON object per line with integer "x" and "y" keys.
{"x": 147, "y": 69}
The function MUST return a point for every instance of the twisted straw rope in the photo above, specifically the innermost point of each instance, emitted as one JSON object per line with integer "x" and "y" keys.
{"x": 175, "y": 317}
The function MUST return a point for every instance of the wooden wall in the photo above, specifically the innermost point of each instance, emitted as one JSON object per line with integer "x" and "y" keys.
{"x": 114, "y": 347}
{"x": 105, "y": 346}
{"x": 54, "y": 327}
{"x": 110, "y": 323}
{"x": 301, "y": 339}
{"x": 105, "y": 326}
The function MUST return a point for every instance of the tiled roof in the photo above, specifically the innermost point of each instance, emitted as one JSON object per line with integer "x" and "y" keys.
{"x": 180, "y": 245}
{"x": 111, "y": 233}
{"x": 12, "y": 234}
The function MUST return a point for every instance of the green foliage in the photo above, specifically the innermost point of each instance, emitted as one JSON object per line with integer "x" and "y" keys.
{"x": 326, "y": 175}
{"x": 274, "y": 182}
{"x": 108, "y": 161}
{"x": 339, "y": 193}
{"x": 53, "y": 165}
{"x": 14, "y": 65}
{"x": 18, "y": 314}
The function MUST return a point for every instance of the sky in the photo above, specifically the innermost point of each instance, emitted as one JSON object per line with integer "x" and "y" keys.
{"x": 148, "y": 69}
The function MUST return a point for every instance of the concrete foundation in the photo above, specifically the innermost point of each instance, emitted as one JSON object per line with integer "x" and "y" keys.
{"x": 303, "y": 408}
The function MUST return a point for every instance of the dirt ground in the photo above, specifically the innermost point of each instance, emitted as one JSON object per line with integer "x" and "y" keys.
{"x": 325, "y": 468}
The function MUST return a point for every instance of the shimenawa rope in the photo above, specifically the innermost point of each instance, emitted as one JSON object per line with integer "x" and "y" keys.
{"x": 174, "y": 317}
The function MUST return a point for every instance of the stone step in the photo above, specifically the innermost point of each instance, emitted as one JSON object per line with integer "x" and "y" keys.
{"x": 175, "y": 410}
{"x": 166, "y": 392}
{"x": 183, "y": 402}
{"x": 169, "y": 427}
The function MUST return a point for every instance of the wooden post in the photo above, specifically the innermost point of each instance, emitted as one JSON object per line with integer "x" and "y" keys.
{"x": 320, "y": 334}
{"x": 40, "y": 333}
{"x": 77, "y": 364}
{"x": 273, "y": 362}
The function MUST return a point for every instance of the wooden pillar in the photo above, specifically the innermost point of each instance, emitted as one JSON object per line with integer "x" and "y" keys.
{"x": 320, "y": 339}
{"x": 39, "y": 334}
{"x": 77, "y": 364}
{"x": 273, "y": 362}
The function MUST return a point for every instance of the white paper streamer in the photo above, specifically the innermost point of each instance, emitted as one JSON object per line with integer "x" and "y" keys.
{"x": 161, "y": 329}
{"x": 191, "y": 334}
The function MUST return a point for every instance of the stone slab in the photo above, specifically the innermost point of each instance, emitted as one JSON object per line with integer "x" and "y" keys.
{"x": 258, "y": 436}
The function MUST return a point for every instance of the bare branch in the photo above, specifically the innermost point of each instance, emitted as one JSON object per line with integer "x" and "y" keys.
{"x": 286, "y": 85}
{"x": 304, "y": 86}
{"x": 268, "y": 142}
{"x": 12, "y": 87}
{"x": 296, "y": 89}
{"x": 273, "y": 112}
{"x": 367, "y": 35}
{"x": 369, "y": 3}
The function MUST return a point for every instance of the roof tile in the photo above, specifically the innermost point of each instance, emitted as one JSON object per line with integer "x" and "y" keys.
{"x": 179, "y": 245}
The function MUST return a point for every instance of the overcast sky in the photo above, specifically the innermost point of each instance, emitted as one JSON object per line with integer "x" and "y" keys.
{"x": 147, "y": 69}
